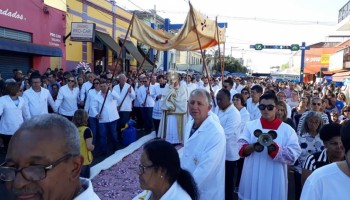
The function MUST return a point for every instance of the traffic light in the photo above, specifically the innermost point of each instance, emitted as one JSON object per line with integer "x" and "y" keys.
{"x": 294, "y": 47}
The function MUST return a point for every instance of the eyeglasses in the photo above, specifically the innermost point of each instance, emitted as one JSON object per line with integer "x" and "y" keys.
{"x": 96, "y": 83}
{"x": 346, "y": 110}
{"x": 72, "y": 81}
{"x": 30, "y": 173}
{"x": 143, "y": 168}
{"x": 314, "y": 104}
{"x": 263, "y": 107}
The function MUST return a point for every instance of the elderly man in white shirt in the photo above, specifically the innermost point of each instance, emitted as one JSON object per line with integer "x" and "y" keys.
{"x": 204, "y": 148}
{"x": 127, "y": 95}
{"x": 68, "y": 98}
{"x": 38, "y": 98}
{"x": 107, "y": 115}
{"x": 230, "y": 120}
{"x": 147, "y": 99}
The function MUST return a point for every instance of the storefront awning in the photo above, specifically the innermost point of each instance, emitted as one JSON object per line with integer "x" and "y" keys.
{"x": 333, "y": 72}
{"x": 339, "y": 77}
{"x": 30, "y": 48}
{"x": 108, "y": 41}
{"x": 137, "y": 55}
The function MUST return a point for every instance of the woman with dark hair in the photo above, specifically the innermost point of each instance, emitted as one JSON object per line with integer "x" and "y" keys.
{"x": 300, "y": 109}
{"x": 333, "y": 152}
{"x": 246, "y": 93}
{"x": 161, "y": 175}
{"x": 13, "y": 112}
{"x": 345, "y": 114}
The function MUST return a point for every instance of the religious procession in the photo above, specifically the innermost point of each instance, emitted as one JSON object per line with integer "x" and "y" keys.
{"x": 109, "y": 123}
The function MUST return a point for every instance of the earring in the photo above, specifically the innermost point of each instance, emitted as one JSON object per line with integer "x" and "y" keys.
{"x": 161, "y": 176}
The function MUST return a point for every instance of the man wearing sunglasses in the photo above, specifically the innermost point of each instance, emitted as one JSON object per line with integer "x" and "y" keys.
{"x": 44, "y": 162}
{"x": 264, "y": 174}
{"x": 316, "y": 106}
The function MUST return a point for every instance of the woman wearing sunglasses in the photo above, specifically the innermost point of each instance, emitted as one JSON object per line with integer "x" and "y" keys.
{"x": 345, "y": 114}
{"x": 68, "y": 98}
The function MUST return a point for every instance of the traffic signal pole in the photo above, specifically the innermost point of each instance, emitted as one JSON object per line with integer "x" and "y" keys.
{"x": 302, "y": 64}
{"x": 293, "y": 47}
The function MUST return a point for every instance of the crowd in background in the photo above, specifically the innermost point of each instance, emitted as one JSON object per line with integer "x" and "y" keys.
{"x": 101, "y": 104}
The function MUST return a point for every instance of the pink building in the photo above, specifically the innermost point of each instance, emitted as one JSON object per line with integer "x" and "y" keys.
{"x": 31, "y": 36}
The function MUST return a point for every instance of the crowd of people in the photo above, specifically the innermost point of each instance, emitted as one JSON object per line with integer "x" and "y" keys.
{"x": 239, "y": 135}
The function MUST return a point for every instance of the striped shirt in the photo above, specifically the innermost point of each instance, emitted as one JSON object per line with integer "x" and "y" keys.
{"x": 316, "y": 160}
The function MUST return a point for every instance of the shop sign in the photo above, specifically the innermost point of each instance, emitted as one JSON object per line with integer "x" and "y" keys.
{"x": 13, "y": 14}
{"x": 83, "y": 32}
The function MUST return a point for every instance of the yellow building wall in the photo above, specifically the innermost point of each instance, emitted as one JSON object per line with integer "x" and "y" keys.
{"x": 58, "y": 4}
{"x": 74, "y": 49}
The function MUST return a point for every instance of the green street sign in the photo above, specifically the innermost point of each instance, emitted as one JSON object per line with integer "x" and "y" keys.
{"x": 259, "y": 47}
{"x": 294, "y": 47}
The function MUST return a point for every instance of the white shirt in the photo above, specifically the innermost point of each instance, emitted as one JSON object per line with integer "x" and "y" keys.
{"x": 129, "y": 97}
{"x": 150, "y": 97}
{"x": 232, "y": 92}
{"x": 292, "y": 104}
{"x": 204, "y": 157}
{"x": 12, "y": 116}
{"x": 216, "y": 88}
{"x": 327, "y": 182}
{"x": 189, "y": 88}
{"x": 67, "y": 100}
{"x": 253, "y": 109}
{"x": 175, "y": 192}
{"x": 109, "y": 112}
{"x": 238, "y": 87}
{"x": 206, "y": 87}
{"x": 88, "y": 193}
{"x": 90, "y": 97}
{"x": 37, "y": 101}
{"x": 84, "y": 90}
{"x": 230, "y": 120}
{"x": 245, "y": 117}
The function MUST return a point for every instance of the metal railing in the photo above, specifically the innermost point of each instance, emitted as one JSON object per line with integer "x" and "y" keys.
{"x": 344, "y": 12}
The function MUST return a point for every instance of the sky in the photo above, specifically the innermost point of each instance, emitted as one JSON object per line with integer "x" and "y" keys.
{"x": 268, "y": 22}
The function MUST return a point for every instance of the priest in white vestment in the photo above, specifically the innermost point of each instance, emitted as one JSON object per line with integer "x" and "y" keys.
{"x": 174, "y": 106}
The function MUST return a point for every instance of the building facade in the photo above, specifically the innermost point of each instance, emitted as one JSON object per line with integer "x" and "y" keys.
{"x": 31, "y": 35}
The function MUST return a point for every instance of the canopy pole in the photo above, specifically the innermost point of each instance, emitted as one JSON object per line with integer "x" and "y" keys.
{"x": 119, "y": 57}
{"x": 220, "y": 57}
{"x": 203, "y": 56}
{"x": 143, "y": 61}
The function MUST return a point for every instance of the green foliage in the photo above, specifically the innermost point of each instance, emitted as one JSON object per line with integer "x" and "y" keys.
{"x": 231, "y": 64}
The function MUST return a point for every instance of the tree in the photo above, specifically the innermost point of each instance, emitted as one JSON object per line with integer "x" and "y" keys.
{"x": 230, "y": 64}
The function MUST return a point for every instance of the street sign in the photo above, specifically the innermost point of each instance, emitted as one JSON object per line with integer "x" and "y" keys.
{"x": 259, "y": 47}
{"x": 294, "y": 47}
